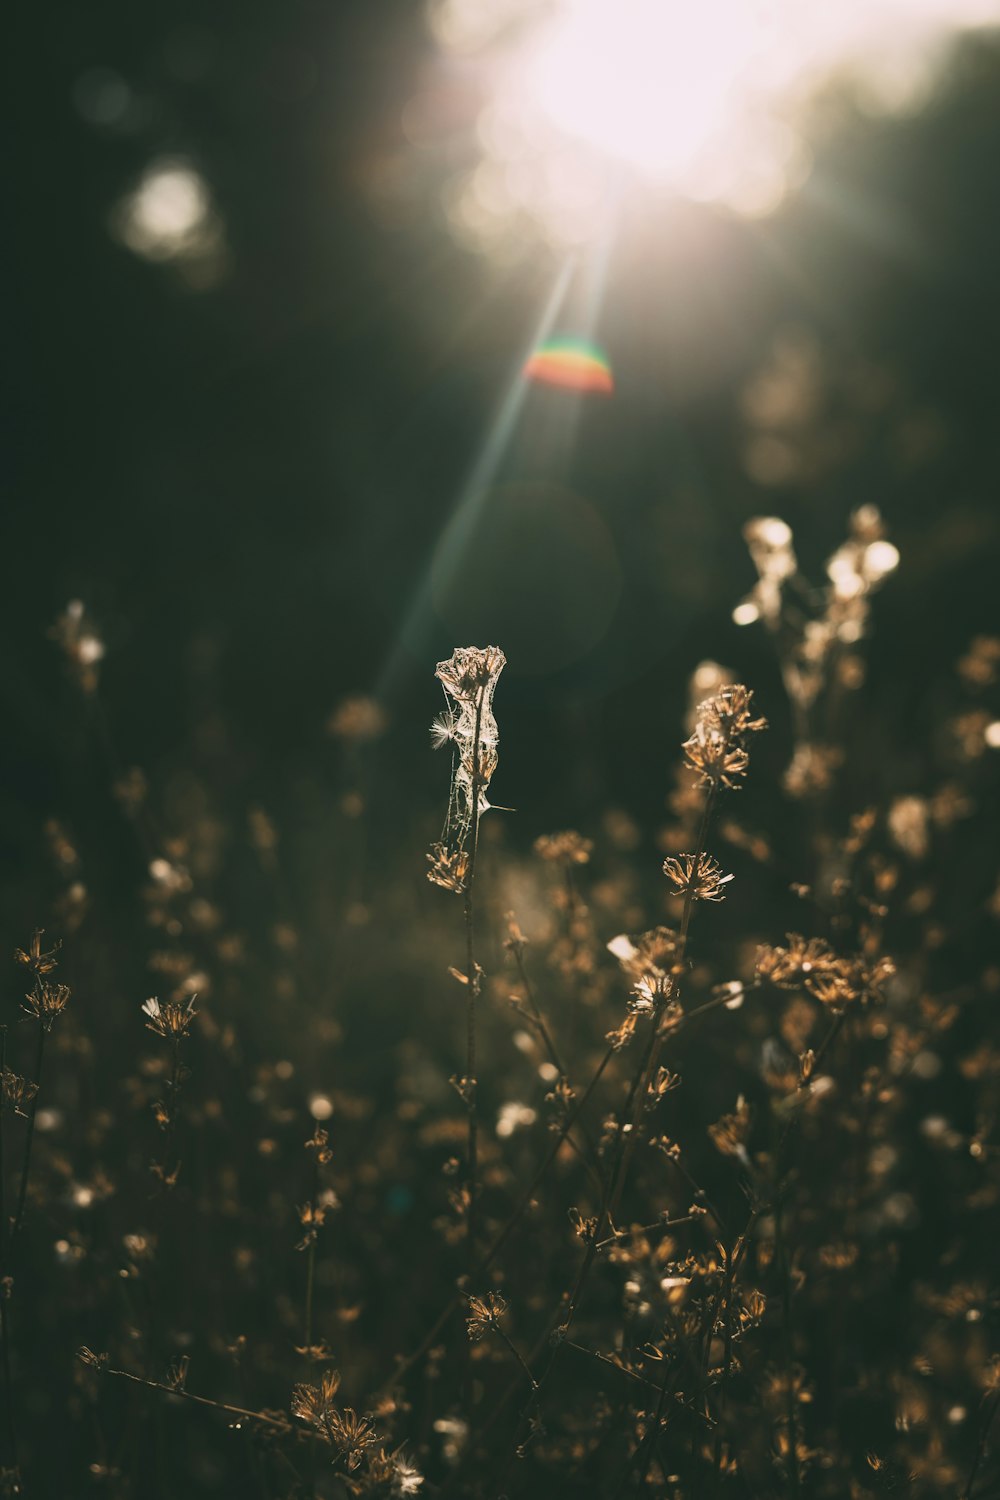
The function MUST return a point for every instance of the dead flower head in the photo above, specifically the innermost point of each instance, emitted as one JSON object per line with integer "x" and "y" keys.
{"x": 717, "y": 750}
{"x": 470, "y": 669}
{"x": 650, "y": 993}
{"x": 567, "y": 848}
{"x": 484, "y": 1313}
{"x": 319, "y": 1142}
{"x": 469, "y": 678}
{"x": 835, "y": 980}
{"x": 46, "y": 1001}
{"x": 16, "y": 1091}
{"x": 171, "y": 1020}
{"x": 696, "y": 877}
{"x": 34, "y": 959}
{"x": 312, "y": 1217}
{"x": 449, "y": 868}
{"x": 350, "y": 1434}
{"x": 311, "y": 1403}
{"x": 731, "y": 1133}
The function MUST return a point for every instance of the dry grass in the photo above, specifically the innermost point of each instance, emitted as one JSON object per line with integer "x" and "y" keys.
{"x": 711, "y": 1208}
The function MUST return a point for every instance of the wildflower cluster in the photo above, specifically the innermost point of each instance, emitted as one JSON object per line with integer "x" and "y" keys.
{"x": 349, "y": 1434}
{"x": 45, "y": 1000}
{"x": 835, "y": 980}
{"x": 817, "y": 630}
{"x": 717, "y": 751}
{"x": 742, "y": 1193}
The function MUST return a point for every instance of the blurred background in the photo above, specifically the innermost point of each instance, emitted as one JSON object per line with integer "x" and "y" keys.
{"x": 275, "y": 273}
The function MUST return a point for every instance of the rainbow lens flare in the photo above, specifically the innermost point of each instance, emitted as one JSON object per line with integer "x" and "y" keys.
{"x": 574, "y": 364}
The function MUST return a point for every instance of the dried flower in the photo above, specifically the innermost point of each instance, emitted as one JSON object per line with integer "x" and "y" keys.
{"x": 567, "y": 848}
{"x": 716, "y": 749}
{"x": 344, "y": 1430}
{"x": 469, "y": 670}
{"x": 312, "y": 1403}
{"x": 350, "y": 1434}
{"x": 731, "y": 1133}
{"x": 46, "y": 1001}
{"x": 469, "y": 678}
{"x": 171, "y": 1020}
{"x": 88, "y": 1357}
{"x": 794, "y": 966}
{"x": 697, "y": 877}
{"x": 312, "y": 1217}
{"x": 16, "y": 1091}
{"x": 484, "y": 1313}
{"x": 645, "y": 954}
{"x": 650, "y": 993}
{"x": 34, "y": 959}
{"x": 449, "y": 868}
{"x": 319, "y": 1142}
{"x": 835, "y": 980}
{"x": 623, "y": 1034}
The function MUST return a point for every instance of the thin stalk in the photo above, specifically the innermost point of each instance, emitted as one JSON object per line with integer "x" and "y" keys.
{"x": 981, "y": 1447}
{"x": 519, "y": 1357}
{"x": 3, "y": 1175}
{"x": 407, "y": 1364}
{"x": 627, "y": 1140}
{"x": 8, "y": 1388}
{"x": 685, "y": 1020}
{"x": 595, "y": 1241}
{"x": 310, "y": 1276}
{"x": 535, "y": 1017}
{"x": 662, "y": 1224}
{"x": 174, "y": 1086}
{"x": 281, "y": 1424}
{"x": 733, "y": 1258}
{"x": 472, "y": 988}
{"x": 788, "y": 1344}
{"x": 825, "y": 1046}
{"x": 311, "y": 1264}
{"x": 611, "y": 1364}
{"x": 29, "y": 1136}
{"x": 657, "y": 1037}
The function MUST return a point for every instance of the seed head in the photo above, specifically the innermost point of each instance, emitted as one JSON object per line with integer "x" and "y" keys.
{"x": 34, "y": 959}
{"x": 717, "y": 749}
{"x": 698, "y": 877}
{"x": 46, "y": 1001}
{"x": 171, "y": 1020}
{"x": 484, "y": 1313}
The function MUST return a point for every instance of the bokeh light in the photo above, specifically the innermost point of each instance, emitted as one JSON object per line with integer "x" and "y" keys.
{"x": 169, "y": 216}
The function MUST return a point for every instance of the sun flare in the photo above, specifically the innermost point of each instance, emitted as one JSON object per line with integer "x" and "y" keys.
{"x": 646, "y": 82}
{"x": 708, "y": 101}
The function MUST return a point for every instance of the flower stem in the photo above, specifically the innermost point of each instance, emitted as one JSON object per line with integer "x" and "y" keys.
{"x": 8, "y": 1389}
{"x": 472, "y": 995}
{"x": 29, "y": 1136}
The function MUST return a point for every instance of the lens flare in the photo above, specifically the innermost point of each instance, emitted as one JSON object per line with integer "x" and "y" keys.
{"x": 573, "y": 364}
